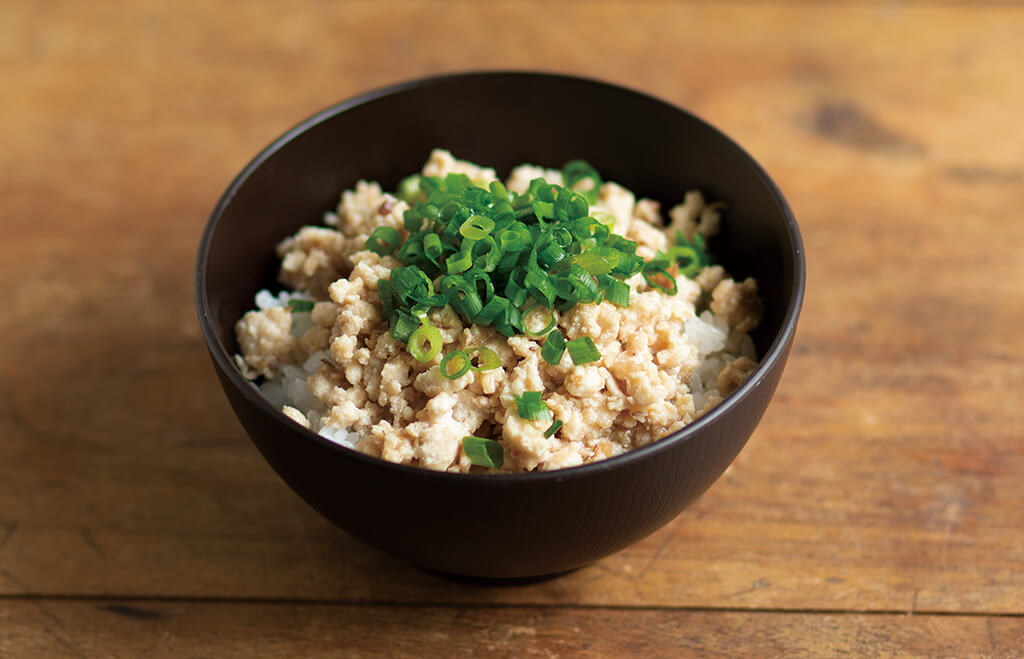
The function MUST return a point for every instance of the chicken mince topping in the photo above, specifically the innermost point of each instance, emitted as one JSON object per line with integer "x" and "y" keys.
{"x": 470, "y": 324}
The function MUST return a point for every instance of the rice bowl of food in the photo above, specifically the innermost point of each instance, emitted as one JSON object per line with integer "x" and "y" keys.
{"x": 500, "y": 353}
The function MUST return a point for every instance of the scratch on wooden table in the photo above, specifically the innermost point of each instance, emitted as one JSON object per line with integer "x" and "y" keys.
{"x": 89, "y": 540}
{"x": 757, "y": 585}
{"x": 913, "y": 602}
{"x": 952, "y": 513}
{"x": 9, "y": 576}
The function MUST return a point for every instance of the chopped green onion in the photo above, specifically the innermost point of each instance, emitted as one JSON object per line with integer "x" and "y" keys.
{"x": 432, "y": 247}
{"x": 584, "y": 285}
{"x": 553, "y": 428}
{"x": 383, "y": 240}
{"x": 461, "y": 360}
{"x": 544, "y": 210}
{"x": 384, "y": 287}
{"x": 487, "y": 359}
{"x": 486, "y": 254}
{"x": 615, "y": 291}
{"x": 457, "y": 182}
{"x": 301, "y": 306}
{"x": 539, "y": 287}
{"x": 535, "y": 309}
{"x": 655, "y": 269}
{"x": 476, "y": 227}
{"x": 575, "y": 171}
{"x": 498, "y": 190}
{"x": 483, "y": 452}
{"x": 595, "y": 264}
{"x": 403, "y": 324}
{"x": 462, "y": 295}
{"x": 460, "y": 262}
{"x": 492, "y": 311}
{"x": 425, "y": 343}
{"x": 550, "y": 254}
{"x": 691, "y": 255}
{"x": 531, "y": 407}
{"x": 493, "y": 249}
{"x": 553, "y": 348}
{"x": 409, "y": 188}
{"x": 583, "y": 350}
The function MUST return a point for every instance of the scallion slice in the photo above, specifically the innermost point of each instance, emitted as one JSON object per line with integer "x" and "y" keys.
{"x": 425, "y": 343}
{"x": 583, "y": 350}
{"x": 459, "y": 262}
{"x": 461, "y": 364}
{"x": 615, "y": 291}
{"x": 409, "y": 188}
{"x": 403, "y": 324}
{"x": 659, "y": 278}
{"x": 531, "y": 407}
{"x": 553, "y": 348}
{"x": 476, "y": 227}
{"x": 553, "y": 428}
{"x": 301, "y": 306}
{"x": 575, "y": 171}
{"x": 547, "y": 317}
{"x": 483, "y": 452}
{"x": 383, "y": 240}
{"x": 486, "y": 359}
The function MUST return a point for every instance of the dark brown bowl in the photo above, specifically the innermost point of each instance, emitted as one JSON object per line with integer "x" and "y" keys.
{"x": 519, "y": 525}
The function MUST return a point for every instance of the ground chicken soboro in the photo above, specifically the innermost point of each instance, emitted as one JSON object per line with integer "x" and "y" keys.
{"x": 665, "y": 360}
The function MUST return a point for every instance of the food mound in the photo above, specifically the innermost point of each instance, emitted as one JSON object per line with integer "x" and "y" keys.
{"x": 467, "y": 324}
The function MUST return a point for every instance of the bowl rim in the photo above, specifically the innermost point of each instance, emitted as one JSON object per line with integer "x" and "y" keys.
{"x": 776, "y": 351}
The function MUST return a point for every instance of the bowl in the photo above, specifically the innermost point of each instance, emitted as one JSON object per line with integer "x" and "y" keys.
{"x": 517, "y": 525}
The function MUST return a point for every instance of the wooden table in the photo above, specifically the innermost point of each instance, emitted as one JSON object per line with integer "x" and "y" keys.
{"x": 877, "y": 510}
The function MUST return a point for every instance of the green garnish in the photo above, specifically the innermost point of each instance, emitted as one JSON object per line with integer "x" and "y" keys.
{"x": 487, "y": 251}
{"x": 476, "y": 227}
{"x": 538, "y": 310}
{"x": 383, "y": 240}
{"x": 691, "y": 255}
{"x": 531, "y": 407}
{"x": 615, "y": 291}
{"x": 503, "y": 259}
{"x": 409, "y": 189}
{"x": 583, "y": 350}
{"x": 578, "y": 170}
{"x": 425, "y": 343}
{"x": 486, "y": 359}
{"x": 553, "y": 428}
{"x": 553, "y": 348}
{"x": 301, "y": 306}
{"x": 657, "y": 276}
{"x": 403, "y": 324}
{"x": 461, "y": 360}
{"x": 483, "y": 452}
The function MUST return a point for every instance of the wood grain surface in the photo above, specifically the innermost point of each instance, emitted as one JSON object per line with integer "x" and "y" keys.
{"x": 877, "y": 510}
